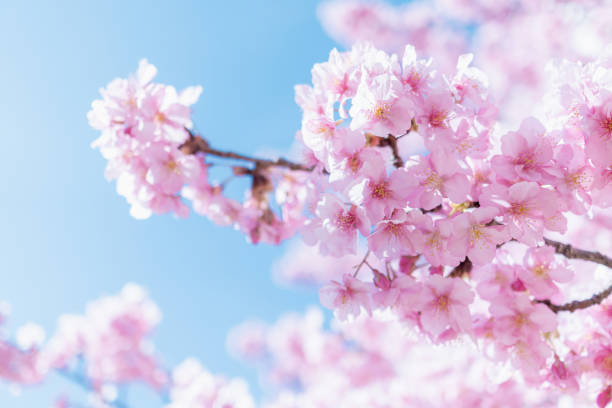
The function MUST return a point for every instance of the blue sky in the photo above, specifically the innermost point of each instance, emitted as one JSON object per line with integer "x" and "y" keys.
{"x": 66, "y": 237}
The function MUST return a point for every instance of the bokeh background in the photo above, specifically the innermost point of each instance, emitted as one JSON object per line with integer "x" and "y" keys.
{"x": 66, "y": 237}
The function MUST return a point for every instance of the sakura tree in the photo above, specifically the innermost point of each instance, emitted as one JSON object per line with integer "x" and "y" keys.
{"x": 455, "y": 217}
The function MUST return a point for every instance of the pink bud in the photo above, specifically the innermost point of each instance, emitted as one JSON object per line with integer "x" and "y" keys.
{"x": 518, "y": 286}
{"x": 381, "y": 281}
{"x": 436, "y": 270}
{"x": 406, "y": 264}
{"x": 604, "y": 397}
{"x": 559, "y": 369}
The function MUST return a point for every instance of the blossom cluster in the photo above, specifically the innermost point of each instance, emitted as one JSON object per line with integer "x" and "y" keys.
{"x": 431, "y": 218}
{"x": 150, "y": 149}
{"x": 413, "y": 164}
{"x": 513, "y": 40}
{"x": 422, "y": 192}
{"x": 108, "y": 348}
{"x": 373, "y": 361}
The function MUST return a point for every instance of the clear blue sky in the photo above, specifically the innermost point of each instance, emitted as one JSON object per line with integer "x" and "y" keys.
{"x": 66, "y": 237}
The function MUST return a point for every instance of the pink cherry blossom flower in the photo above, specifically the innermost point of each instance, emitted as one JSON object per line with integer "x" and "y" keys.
{"x": 436, "y": 113}
{"x": 436, "y": 236}
{"x": 494, "y": 280}
{"x": 464, "y": 142}
{"x": 526, "y": 208}
{"x": 602, "y": 360}
{"x": 576, "y": 178}
{"x": 380, "y": 194}
{"x": 516, "y": 318}
{"x": 352, "y": 167}
{"x": 396, "y": 235}
{"x": 380, "y": 108}
{"x": 347, "y": 298}
{"x": 339, "y": 76}
{"x": 169, "y": 169}
{"x": 597, "y": 124}
{"x": 563, "y": 376}
{"x": 526, "y": 154}
{"x": 474, "y": 237}
{"x": 529, "y": 355}
{"x": 541, "y": 271}
{"x": 336, "y": 227}
{"x": 415, "y": 73}
{"x": 166, "y": 113}
{"x": 438, "y": 176}
{"x": 402, "y": 292}
{"x": 445, "y": 304}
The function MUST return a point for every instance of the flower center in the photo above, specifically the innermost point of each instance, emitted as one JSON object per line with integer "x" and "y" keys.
{"x": 607, "y": 363}
{"x": 526, "y": 159}
{"x": 354, "y": 163}
{"x": 413, "y": 79}
{"x": 443, "y": 302}
{"x": 541, "y": 271}
{"x": 433, "y": 181}
{"x": 434, "y": 241}
{"x": 381, "y": 111}
{"x": 606, "y": 125}
{"x": 476, "y": 232}
{"x": 578, "y": 180}
{"x": 380, "y": 191}
{"x": 520, "y": 320}
{"x": 160, "y": 117}
{"x": 346, "y": 221}
{"x": 393, "y": 228}
{"x": 172, "y": 166}
{"x": 519, "y": 209}
{"x": 437, "y": 118}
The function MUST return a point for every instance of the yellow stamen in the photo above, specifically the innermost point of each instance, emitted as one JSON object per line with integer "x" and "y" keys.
{"x": 443, "y": 302}
{"x": 540, "y": 271}
{"x": 380, "y": 191}
{"x": 381, "y": 111}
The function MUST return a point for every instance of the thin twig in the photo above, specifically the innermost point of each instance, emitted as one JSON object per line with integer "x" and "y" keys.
{"x": 363, "y": 261}
{"x": 578, "y": 304}
{"x": 83, "y": 382}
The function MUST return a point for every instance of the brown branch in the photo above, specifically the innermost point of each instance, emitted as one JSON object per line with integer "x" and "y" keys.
{"x": 464, "y": 268}
{"x": 197, "y": 144}
{"x": 435, "y": 209}
{"x": 391, "y": 141}
{"x": 578, "y": 304}
{"x": 570, "y": 252}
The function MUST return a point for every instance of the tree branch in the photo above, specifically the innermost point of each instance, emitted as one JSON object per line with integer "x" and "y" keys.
{"x": 364, "y": 261}
{"x": 570, "y": 252}
{"x": 391, "y": 141}
{"x": 197, "y": 144}
{"x": 578, "y": 304}
{"x": 83, "y": 382}
{"x": 464, "y": 268}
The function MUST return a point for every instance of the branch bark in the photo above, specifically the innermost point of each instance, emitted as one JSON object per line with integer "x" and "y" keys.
{"x": 578, "y": 304}
{"x": 197, "y": 144}
{"x": 570, "y": 252}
